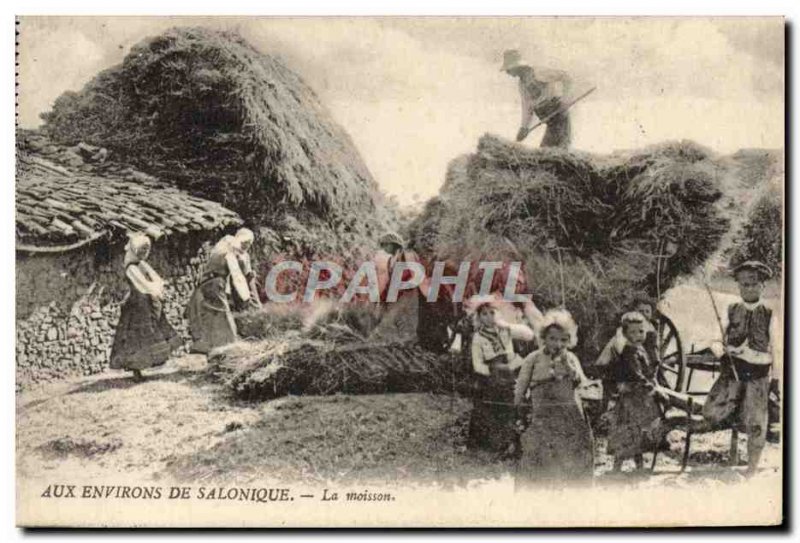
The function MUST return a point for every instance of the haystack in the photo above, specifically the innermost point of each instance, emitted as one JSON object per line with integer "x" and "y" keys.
{"x": 754, "y": 188}
{"x": 206, "y": 111}
{"x": 761, "y": 234}
{"x": 592, "y": 231}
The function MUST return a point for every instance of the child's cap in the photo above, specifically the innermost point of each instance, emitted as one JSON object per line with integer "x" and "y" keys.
{"x": 760, "y": 268}
{"x": 391, "y": 237}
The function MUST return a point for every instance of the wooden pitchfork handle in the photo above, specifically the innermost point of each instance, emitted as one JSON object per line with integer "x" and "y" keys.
{"x": 722, "y": 331}
{"x": 562, "y": 109}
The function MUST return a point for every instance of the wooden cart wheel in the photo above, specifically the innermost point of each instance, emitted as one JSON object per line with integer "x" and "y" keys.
{"x": 671, "y": 362}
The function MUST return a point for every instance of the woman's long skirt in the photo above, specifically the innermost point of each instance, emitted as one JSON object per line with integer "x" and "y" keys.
{"x": 210, "y": 320}
{"x": 491, "y": 425}
{"x": 143, "y": 338}
{"x": 557, "y": 447}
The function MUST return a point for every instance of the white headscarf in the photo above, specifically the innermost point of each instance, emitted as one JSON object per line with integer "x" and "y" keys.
{"x": 137, "y": 247}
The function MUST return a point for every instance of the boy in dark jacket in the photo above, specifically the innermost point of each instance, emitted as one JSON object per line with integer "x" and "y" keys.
{"x": 741, "y": 393}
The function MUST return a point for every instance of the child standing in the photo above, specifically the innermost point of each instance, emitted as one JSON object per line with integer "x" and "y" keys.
{"x": 558, "y": 444}
{"x": 493, "y": 361}
{"x": 740, "y": 395}
{"x": 636, "y": 419}
{"x": 613, "y": 349}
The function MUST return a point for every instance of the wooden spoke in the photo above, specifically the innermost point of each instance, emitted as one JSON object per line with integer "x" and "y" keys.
{"x": 670, "y": 351}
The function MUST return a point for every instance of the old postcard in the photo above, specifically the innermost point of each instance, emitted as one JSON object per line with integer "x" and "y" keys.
{"x": 399, "y": 272}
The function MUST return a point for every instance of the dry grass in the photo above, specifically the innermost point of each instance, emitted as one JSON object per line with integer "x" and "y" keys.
{"x": 601, "y": 220}
{"x": 207, "y": 112}
{"x": 301, "y": 365}
{"x": 208, "y": 102}
{"x": 324, "y": 349}
{"x": 271, "y": 321}
{"x": 761, "y": 234}
{"x": 753, "y": 186}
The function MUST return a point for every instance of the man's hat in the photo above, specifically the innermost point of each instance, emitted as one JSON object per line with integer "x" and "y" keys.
{"x": 754, "y": 265}
{"x": 511, "y": 59}
{"x": 391, "y": 237}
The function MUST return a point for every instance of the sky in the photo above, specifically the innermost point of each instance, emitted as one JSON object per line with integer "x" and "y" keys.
{"x": 415, "y": 93}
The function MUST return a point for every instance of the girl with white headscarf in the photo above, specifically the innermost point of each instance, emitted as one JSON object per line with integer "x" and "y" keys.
{"x": 143, "y": 338}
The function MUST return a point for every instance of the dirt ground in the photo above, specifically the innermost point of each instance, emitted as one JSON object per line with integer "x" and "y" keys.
{"x": 180, "y": 426}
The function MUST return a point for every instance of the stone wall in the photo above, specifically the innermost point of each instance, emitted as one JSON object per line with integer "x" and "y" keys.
{"x": 68, "y": 304}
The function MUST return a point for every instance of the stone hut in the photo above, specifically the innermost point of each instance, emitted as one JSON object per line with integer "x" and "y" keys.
{"x": 74, "y": 210}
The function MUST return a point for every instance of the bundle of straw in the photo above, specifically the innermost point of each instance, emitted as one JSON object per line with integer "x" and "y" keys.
{"x": 336, "y": 349}
{"x": 273, "y": 368}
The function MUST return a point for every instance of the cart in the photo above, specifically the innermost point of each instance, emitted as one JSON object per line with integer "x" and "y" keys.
{"x": 671, "y": 371}
{"x": 678, "y": 372}
{"x": 686, "y": 404}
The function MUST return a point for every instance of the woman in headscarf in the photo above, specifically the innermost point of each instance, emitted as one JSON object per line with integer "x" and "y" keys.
{"x": 210, "y": 320}
{"x": 393, "y": 251}
{"x": 246, "y": 266}
{"x": 493, "y": 362}
{"x": 396, "y": 320}
{"x": 144, "y": 338}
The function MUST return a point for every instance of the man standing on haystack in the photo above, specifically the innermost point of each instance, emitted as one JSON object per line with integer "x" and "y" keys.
{"x": 543, "y": 94}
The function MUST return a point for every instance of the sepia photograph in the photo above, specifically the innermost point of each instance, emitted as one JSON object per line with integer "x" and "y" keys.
{"x": 361, "y": 272}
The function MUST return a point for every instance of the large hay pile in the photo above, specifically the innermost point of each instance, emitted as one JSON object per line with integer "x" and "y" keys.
{"x": 206, "y": 111}
{"x": 610, "y": 221}
{"x": 754, "y": 190}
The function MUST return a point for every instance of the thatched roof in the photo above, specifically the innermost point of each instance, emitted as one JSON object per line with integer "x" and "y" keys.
{"x": 63, "y": 203}
{"x": 206, "y": 111}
